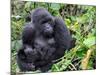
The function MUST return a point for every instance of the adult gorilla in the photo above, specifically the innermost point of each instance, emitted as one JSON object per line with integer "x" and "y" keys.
{"x": 45, "y": 39}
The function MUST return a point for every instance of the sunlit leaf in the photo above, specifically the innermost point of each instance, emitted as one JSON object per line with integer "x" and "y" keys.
{"x": 68, "y": 22}
{"x": 90, "y": 41}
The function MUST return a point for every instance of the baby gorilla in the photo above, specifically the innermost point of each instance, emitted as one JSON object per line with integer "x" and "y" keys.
{"x": 24, "y": 58}
{"x": 45, "y": 39}
{"x": 38, "y": 58}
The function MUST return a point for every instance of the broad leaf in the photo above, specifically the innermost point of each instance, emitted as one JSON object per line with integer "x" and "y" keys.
{"x": 55, "y": 6}
{"x": 90, "y": 41}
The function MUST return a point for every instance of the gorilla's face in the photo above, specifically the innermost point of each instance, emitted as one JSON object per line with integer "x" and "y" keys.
{"x": 47, "y": 30}
{"x": 43, "y": 21}
{"x": 46, "y": 27}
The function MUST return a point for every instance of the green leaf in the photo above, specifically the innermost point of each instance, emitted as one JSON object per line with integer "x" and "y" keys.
{"x": 55, "y": 68}
{"x": 55, "y": 6}
{"x": 68, "y": 22}
{"x": 90, "y": 41}
{"x": 16, "y": 44}
{"x": 28, "y": 4}
{"x": 65, "y": 65}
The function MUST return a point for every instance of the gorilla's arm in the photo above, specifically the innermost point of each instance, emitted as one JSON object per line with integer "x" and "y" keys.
{"x": 62, "y": 37}
{"x": 62, "y": 34}
{"x": 28, "y": 34}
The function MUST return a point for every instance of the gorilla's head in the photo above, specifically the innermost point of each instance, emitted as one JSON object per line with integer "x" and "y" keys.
{"x": 43, "y": 21}
{"x": 41, "y": 15}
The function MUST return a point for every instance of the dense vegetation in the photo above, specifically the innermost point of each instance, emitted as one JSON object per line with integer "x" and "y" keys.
{"x": 81, "y": 20}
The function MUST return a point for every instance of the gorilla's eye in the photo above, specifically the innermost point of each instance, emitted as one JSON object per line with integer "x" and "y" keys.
{"x": 46, "y": 20}
{"x": 50, "y": 22}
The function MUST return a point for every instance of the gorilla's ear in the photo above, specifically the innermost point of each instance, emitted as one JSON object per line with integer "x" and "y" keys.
{"x": 62, "y": 34}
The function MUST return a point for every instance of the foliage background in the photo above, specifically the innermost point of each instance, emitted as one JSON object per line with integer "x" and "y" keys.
{"x": 81, "y": 20}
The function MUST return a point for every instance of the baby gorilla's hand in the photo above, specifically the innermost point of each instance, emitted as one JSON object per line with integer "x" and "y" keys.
{"x": 32, "y": 67}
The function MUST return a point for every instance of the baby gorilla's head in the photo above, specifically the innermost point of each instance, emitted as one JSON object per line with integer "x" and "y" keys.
{"x": 31, "y": 54}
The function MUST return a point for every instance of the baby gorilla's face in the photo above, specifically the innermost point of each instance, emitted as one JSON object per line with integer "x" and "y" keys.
{"x": 31, "y": 54}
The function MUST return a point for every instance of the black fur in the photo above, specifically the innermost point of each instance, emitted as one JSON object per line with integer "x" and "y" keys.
{"x": 45, "y": 39}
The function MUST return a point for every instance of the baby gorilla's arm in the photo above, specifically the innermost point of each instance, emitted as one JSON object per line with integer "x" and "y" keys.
{"x": 23, "y": 63}
{"x": 24, "y": 66}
